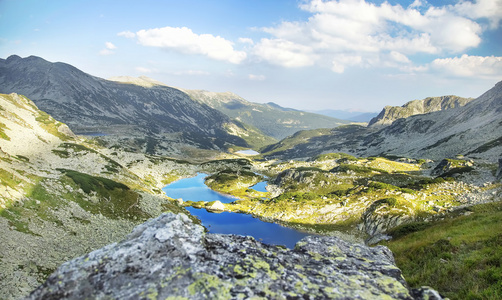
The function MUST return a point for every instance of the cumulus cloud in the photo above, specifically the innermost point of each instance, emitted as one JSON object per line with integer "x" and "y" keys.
{"x": 184, "y": 40}
{"x": 466, "y": 66}
{"x": 285, "y": 53}
{"x": 360, "y": 33}
{"x": 108, "y": 50}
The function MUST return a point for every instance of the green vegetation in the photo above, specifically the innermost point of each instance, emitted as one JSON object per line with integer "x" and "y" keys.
{"x": 50, "y": 125}
{"x": 114, "y": 199}
{"x": 460, "y": 256}
{"x": 235, "y": 183}
{"x": 253, "y": 136}
{"x": 334, "y": 156}
{"x": 3, "y": 135}
{"x": 297, "y": 138}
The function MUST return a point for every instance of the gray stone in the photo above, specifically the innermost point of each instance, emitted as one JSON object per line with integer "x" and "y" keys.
{"x": 172, "y": 257}
{"x": 499, "y": 170}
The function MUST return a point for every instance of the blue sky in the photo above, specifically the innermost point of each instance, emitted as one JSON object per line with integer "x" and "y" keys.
{"x": 307, "y": 54}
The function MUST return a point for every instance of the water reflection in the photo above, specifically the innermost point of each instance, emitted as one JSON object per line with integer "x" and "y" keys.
{"x": 194, "y": 189}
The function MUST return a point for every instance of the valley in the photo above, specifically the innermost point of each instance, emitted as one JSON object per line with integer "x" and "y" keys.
{"x": 424, "y": 182}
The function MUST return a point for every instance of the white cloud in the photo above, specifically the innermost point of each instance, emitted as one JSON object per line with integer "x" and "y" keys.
{"x": 110, "y": 46}
{"x": 185, "y": 41}
{"x": 467, "y": 66}
{"x": 357, "y": 32}
{"x": 342, "y": 60}
{"x": 108, "y": 50}
{"x": 489, "y": 9}
{"x": 246, "y": 41}
{"x": 285, "y": 53}
{"x": 256, "y": 77}
{"x": 127, "y": 34}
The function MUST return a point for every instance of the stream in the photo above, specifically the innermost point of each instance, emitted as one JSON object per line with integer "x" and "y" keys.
{"x": 194, "y": 189}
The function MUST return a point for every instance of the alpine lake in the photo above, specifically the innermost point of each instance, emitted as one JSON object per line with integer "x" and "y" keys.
{"x": 194, "y": 189}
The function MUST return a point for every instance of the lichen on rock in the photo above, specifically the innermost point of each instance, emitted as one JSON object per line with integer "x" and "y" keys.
{"x": 171, "y": 256}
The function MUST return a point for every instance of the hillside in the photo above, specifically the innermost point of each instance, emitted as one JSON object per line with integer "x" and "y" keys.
{"x": 272, "y": 119}
{"x": 472, "y": 130}
{"x": 62, "y": 196}
{"x": 417, "y": 107}
{"x": 90, "y": 104}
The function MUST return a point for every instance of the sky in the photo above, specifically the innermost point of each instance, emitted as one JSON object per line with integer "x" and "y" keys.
{"x": 356, "y": 55}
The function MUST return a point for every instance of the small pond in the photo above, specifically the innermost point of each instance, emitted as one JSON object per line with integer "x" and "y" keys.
{"x": 248, "y": 152}
{"x": 194, "y": 189}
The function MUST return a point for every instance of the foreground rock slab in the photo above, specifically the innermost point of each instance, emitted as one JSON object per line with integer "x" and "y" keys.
{"x": 172, "y": 258}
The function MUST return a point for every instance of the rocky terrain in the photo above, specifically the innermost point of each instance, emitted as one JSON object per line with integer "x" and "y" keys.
{"x": 214, "y": 266}
{"x": 417, "y": 107}
{"x": 430, "y": 181}
{"x": 472, "y": 130}
{"x": 62, "y": 196}
{"x": 93, "y": 105}
{"x": 272, "y": 119}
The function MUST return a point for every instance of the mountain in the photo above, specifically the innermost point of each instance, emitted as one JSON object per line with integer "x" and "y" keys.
{"x": 474, "y": 129}
{"x": 272, "y": 119}
{"x": 417, "y": 107}
{"x": 91, "y": 104}
{"x": 347, "y": 115}
{"x": 62, "y": 196}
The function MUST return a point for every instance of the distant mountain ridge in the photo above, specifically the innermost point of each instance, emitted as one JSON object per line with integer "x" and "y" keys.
{"x": 417, "y": 107}
{"x": 272, "y": 119}
{"x": 474, "y": 129}
{"x": 347, "y": 115}
{"x": 91, "y": 104}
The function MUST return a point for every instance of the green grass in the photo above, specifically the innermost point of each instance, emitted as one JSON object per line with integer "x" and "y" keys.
{"x": 3, "y": 135}
{"x": 115, "y": 200}
{"x": 334, "y": 156}
{"x": 357, "y": 169}
{"x": 461, "y": 256}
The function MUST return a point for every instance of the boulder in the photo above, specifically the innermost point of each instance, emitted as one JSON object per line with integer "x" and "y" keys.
{"x": 171, "y": 257}
{"x": 215, "y": 206}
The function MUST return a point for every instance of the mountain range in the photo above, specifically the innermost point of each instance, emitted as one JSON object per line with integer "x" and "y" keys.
{"x": 474, "y": 129}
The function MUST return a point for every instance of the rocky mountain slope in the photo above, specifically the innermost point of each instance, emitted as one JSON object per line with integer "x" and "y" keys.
{"x": 272, "y": 119}
{"x": 62, "y": 196}
{"x": 170, "y": 257}
{"x": 417, "y": 107}
{"x": 473, "y": 130}
{"x": 90, "y": 104}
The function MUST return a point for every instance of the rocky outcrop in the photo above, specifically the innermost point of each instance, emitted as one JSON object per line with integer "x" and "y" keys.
{"x": 417, "y": 107}
{"x": 499, "y": 170}
{"x": 450, "y": 167}
{"x": 170, "y": 257}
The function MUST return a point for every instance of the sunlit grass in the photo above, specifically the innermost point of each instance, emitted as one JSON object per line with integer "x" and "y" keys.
{"x": 460, "y": 257}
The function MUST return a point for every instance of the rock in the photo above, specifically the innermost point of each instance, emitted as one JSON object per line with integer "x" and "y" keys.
{"x": 499, "y": 170}
{"x": 450, "y": 167}
{"x": 215, "y": 206}
{"x": 171, "y": 257}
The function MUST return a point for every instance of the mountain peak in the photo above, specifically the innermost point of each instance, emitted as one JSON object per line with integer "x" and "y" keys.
{"x": 389, "y": 114}
{"x": 143, "y": 81}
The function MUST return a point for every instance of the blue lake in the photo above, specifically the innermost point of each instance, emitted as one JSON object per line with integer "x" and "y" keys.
{"x": 248, "y": 152}
{"x": 194, "y": 189}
